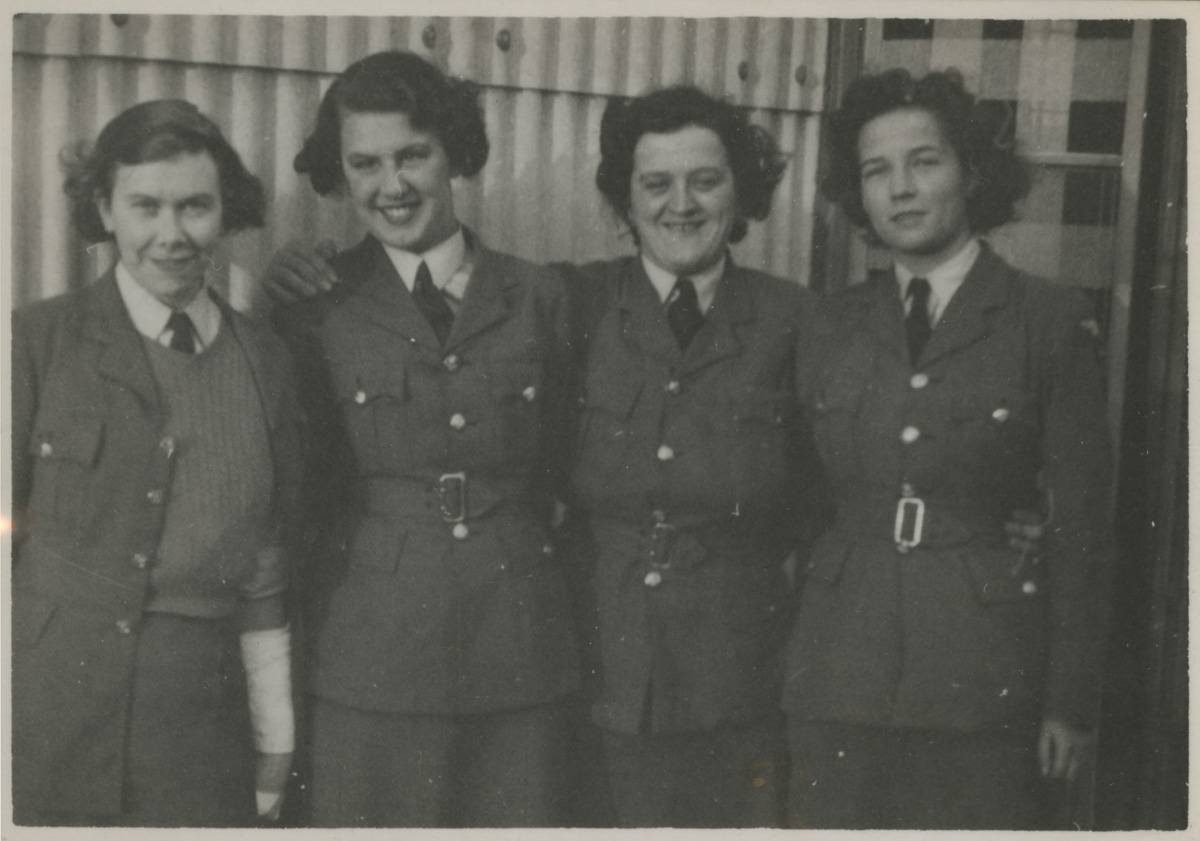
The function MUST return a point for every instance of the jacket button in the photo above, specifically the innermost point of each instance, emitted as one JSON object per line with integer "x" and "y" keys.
{"x": 907, "y": 490}
{"x": 547, "y": 549}
{"x": 140, "y": 561}
{"x": 673, "y": 387}
{"x": 1029, "y": 588}
{"x": 450, "y": 363}
{"x": 155, "y": 496}
{"x": 659, "y": 516}
{"x": 168, "y": 446}
{"x": 457, "y": 421}
{"x": 124, "y": 627}
{"x": 653, "y": 578}
{"x": 1000, "y": 414}
{"x": 919, "y": 380}
{"x": 46, "y": 449}
{"x": 665, "y": 453}
{"x": 529, "y": 393}
{"x": 360, "y": 397}
{"x": 460, "y": 531}
{"x": 910, "y": 434}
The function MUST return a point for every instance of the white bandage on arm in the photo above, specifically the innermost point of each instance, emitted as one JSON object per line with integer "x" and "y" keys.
{"x": 267, "y": 658}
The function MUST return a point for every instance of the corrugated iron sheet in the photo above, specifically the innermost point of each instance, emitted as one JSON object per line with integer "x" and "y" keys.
{"x": 545, "y": 85}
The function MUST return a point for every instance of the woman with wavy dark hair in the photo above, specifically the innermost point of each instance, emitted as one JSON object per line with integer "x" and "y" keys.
{"x": 433, "y": 378}
{"x": 155, "y": 457}
{"x": 935, "y": 673}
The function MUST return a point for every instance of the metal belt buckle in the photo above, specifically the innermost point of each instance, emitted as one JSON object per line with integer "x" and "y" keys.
{"x": 452, "y": 495}
{"x": 918, "y": 522}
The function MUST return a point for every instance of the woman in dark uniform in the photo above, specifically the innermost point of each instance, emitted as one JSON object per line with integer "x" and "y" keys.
{"x": 155, "y": 466}
{"x": 934, "y": 674}
{"x": 431, "y": 375}
{"x": 689, "y": 466}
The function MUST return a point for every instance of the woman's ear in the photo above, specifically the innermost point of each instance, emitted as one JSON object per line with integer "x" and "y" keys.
{"x": 104, "y": 208}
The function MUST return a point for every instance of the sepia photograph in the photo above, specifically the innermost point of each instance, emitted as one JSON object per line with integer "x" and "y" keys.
{"x": 702, "y": 416}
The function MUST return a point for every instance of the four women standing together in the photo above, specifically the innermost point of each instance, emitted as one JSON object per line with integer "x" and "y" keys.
{"x": 701, "y": 422}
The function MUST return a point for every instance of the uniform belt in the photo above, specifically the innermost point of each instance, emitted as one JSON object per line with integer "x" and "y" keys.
{"x": 912, "y": 522}
{"x": 452, "y": 497}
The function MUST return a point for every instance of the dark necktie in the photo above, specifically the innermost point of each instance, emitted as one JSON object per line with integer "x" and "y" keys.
{"x": 917, "y": 324}
{"x": 683, "y": 312}
{"x": 182, "y": 332}
{"x": 432, "y": 303}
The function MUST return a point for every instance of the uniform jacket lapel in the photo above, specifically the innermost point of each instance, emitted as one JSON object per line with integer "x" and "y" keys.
{"x": 268, "y": 377}
{"x": 968, "y": 318}
{"x": 385, "y": 302}
{"x": 718, "y": 339}
{"x": 881, "y": 316}
{"x": 488, "y": 300}
{"x": 121, "y": 357}
{"x": 643, "y": 317}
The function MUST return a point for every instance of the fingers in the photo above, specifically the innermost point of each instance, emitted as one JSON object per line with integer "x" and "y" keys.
{"x": 299, "y": 271}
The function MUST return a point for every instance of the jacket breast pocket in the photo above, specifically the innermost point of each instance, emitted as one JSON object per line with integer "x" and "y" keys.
{"x": 518, "y": 400}
{"x": 66, "y": 451}
{"x": 608, "y": 407}
{"x": 996, "y": 432}
{"x": 757, "y": 439}
{"x": 375, "y": 408}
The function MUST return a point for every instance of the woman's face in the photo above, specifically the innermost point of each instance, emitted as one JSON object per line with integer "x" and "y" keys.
{"x": 683, "y": 202}
{"x": 914, "y": 187}
{"x": 166, "y": 218}
{"x": 398, "y": 179}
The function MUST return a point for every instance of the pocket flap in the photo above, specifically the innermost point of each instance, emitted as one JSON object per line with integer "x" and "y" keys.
{"x": 378, "y": 543}
{"x": 762, "y": 404}
{"x": 515, "y": 382}
{"x": 74, "y": 439}
{"x": 1000, "y": 574}
{"x": 363, "y": 385}
{"x": 615, "y": 394}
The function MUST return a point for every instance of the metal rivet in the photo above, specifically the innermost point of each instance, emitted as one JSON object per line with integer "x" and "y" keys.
{"x": 801, "y": 74}
{"x": 119, "y": 20}
{"x": 504, "y": 39}
{"x": 743, "y": 70}
{"x": 429, "y": 36}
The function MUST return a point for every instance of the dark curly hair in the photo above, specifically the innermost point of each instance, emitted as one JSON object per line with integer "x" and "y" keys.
{"x": 396, "y": 82}
{"x": 980, "y": 134}
{"x": 157, "y": 131}
{"x": 753, "y": 154}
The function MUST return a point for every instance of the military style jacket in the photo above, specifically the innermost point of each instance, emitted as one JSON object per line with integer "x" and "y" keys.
{"x": 687, "y": 466}
{"x": 91, "y": 477}
{"x": 434, "y": 586}
{"x": 1004, "y": 410}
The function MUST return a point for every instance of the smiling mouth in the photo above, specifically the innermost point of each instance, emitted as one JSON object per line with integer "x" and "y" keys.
{"x": 909, "y": 218}
{"x": 175, "y": 264}
{"x": 399, "y": 214}
{"x": 683, "y": 227}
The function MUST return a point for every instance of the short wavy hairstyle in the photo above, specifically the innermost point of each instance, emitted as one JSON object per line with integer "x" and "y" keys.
{"x": 156, "y": 131}
{"x": 754, "y": 156}
{"x": 396, "y": 82}
{"x": 980, "y": 134}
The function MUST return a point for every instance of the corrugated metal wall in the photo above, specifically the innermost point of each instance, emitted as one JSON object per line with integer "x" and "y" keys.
{"x": 545, "y": 84}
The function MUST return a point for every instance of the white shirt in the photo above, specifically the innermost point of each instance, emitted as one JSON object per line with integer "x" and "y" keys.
{"x": 447, "y": 262}
{"x": 943, "y": 280}
{"x": 149, "y": 315}
{"x": 705, "y": 281}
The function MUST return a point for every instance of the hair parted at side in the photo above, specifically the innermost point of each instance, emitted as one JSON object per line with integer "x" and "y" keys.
{"x": 754, "y": 156}
{"x": 396, "y": 82}
{"x": 155, "y": 131}
{"x": 978, "y": 133}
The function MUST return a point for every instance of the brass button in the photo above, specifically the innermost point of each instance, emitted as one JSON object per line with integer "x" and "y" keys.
{"x": 919, "y": 380}
{"x": 910, "y": 434}
{"x": 155, "y": 496}
{"x": 46, "y": 449}
{"x": 1000, "y": 414}
{"x": 360, "y": 397}
{"x": 168, "y": 446}
{"x": 450, "y": 363}
{"x": 530, "y": 393}
{"x": 124, "y": 627}
{"x": 140, "y": 561}
{"x": 1029, "y": 588}
{"x": 457, "y": 421}
{"x": 665, "y": 453}
{"x": 673, "y": 387}
{"x": 547, "y": 549}
{"x": 460, "y": 531}
{"x": 653, "y": 578}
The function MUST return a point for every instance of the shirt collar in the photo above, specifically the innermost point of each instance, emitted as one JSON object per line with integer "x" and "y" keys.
{"x": 149, "y": 315}
{"x": 945, "y": 279}
{"x": 705, "y": 281}
{"x": 444, "y": 261}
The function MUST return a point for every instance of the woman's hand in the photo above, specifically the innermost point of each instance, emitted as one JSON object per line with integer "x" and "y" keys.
{"x": 1062, "y": 749}
{"x": 1025, "y": 530}
{"x": 271, "y": 776}
{"x": 299, "y": 271}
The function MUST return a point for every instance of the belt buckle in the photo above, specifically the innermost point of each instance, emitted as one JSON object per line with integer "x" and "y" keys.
{"x": 918, "y": 513}
{"x": 452, "y": 496}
